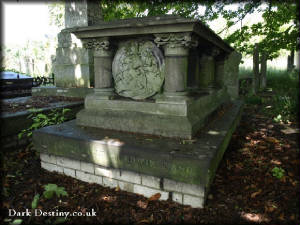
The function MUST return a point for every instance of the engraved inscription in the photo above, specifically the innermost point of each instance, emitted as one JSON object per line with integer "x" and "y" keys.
{"x": 164, "y": 165}
{"x": 138, "y": 69}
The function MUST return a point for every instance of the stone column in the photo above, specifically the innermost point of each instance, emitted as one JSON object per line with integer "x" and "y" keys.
{"x": 207, "y": 73}
{"x": 103, "y": 55}
{"x": 219, "y": 73}
{"x": 176, "y": 51}
{"x": 263, "y": 70}
{"x": 255, "y": 81}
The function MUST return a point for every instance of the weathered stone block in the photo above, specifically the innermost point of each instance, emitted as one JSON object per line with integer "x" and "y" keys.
{"x": 69, "y": 163}
{"x": 75, "y": 75}
{"x": 48, "y": 158}
{"x": 82, "y": 13}
{"x": 177, "y": 197}
{"x": 69, "y": 172}
{"x": 126, "y": 186}
{"x": 192, "y": 189}
{"x": 87, "y": 167}
{"x": 109, "y": 182}
{"x": 107, "y": 172}
{"x": 90, "y": 178}
{"x": 148, "y": 192}
{"x": 51, "y": 167}
{"x": 69, "y": 56}
{"x": 129, "y": 176}
{"x": 194, "y": 201}
{"x": 151, "y": 181}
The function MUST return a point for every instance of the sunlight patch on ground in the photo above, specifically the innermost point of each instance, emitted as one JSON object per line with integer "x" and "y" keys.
{"x": 108, "y": 198}
{"x": 255, "y": 217}
{"x": 212, "y": 132}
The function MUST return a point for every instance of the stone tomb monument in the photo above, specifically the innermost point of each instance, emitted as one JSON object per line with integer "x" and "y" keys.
{"x": 150, "y": 125}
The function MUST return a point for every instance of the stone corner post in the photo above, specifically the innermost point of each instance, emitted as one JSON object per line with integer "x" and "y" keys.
{"x": 176, "y": 50}
{"x": 103, "y": 56}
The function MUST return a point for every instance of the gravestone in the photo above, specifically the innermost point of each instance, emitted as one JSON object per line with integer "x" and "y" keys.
{"x": 256, "y": 77}
{"x": 158, "y": 82}
{"x": 73, "y": 64}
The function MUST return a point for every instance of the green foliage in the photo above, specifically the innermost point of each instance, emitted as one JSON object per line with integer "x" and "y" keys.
{"x": 278, "y": 172}
{"x": 57, "y": 13}
{"x": 122, "y": 9}
{"x": 279, "y": 29}
{"x": 51, "y": 189}
{"x": 285, "y": 103}
{"x": 39, "y": 120}
{"x": 16, "y": 222}
{"x": 253, "y": 99}
{"x": 35, "y": 201}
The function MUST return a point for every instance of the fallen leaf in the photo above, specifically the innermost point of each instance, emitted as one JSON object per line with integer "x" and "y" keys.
{"x": 261, "y": 147}
{"x": 142, "y": 204}
{"x": 292, "y": 217}
{"x": 281, "y": 217}
{"x": 253, "y": 195}
{"x": 144, "y": 221}
{"x": 6, "y": 204}
{"x": 272, "y": 140}
{"x": 290, "y": 174}
{"x": 117, "y": 188}
{"x": 155, "y": 197}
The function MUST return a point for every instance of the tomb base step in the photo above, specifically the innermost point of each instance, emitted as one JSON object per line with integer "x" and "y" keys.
{"x": 167, "y": 118}
{"x": 145, "y": 164}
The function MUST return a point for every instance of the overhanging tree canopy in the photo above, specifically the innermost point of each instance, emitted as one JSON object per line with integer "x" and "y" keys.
{"x": 278, "y": 30}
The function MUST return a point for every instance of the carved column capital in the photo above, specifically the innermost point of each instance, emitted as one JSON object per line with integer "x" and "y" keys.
{"x": 101, "y": 46}
{"x": 176, "y": 43}
{"x": 174, "y": 40}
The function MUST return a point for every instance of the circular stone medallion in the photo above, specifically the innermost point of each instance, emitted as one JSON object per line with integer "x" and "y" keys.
{"x": 137, "y": 69}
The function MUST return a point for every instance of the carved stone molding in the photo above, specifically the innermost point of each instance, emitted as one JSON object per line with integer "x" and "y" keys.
{"x": 97, "y": 44}
{"x": 175, "y": 40}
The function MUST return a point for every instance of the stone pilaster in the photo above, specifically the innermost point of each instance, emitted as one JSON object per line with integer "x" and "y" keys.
{"x": 207, "y": 73}
{"x": 219, "y": 73}
{"x": 103, "y": 55}
{"x": 176, "y": 50}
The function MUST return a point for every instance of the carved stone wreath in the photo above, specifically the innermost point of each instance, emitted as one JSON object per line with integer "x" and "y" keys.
{"x": 138, "y": 69}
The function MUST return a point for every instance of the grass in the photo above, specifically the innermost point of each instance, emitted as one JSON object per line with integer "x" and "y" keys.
{"x": 284, "y": 103}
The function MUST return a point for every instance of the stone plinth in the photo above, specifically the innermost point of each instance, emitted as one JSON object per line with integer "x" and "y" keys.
{"x": 169, "y": 63}
{"x": 178, "y": 169}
